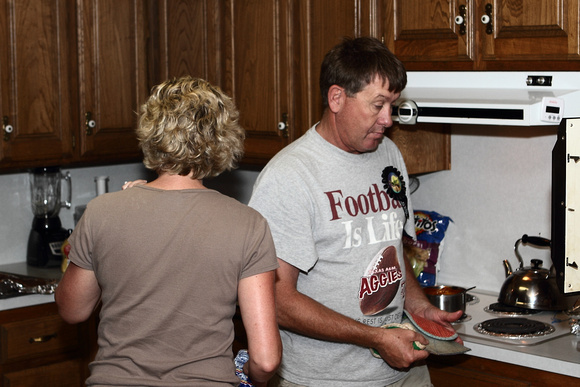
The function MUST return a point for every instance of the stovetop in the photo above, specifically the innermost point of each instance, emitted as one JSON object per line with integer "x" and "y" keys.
{"x": 478, "y": 311}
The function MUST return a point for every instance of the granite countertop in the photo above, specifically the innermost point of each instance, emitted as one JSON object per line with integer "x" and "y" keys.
{"x": 22, "y": 268}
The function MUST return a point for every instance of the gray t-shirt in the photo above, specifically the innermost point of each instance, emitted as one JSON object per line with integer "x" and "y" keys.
{"x": 169, "y": 264}
{"x": 339, "y": 218}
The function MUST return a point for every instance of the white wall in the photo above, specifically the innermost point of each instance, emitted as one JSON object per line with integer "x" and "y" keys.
{"x": 497, "y": 190}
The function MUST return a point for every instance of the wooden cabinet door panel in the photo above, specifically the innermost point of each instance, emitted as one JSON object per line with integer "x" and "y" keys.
{"x": 257, "y": 72}
{"x": 531, "y": 30}
{"x": 113, "y": 75}
{"x": 425, "y": 147}
{"x": 322, "y": 24}
{"x": 425, "y": 31}
{"x": 63, "y": 374}
{"x": 189, "y": 38}
{"x": 36, "y": 79}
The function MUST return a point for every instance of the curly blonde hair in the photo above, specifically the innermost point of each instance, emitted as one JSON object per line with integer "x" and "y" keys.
{"x": 188, "y": 125}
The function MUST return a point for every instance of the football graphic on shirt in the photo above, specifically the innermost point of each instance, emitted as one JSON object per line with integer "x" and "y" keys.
{"x": 380, "y": 282}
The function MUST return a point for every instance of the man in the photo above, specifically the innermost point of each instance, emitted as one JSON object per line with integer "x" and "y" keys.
{"x": 337, "y": 204}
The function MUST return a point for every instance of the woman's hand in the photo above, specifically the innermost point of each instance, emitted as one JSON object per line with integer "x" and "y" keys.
{"x": 129, "y": 184}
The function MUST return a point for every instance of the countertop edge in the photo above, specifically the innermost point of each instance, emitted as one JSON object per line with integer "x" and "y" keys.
{"x": 524, "y": 359}
{"x": 32, "y": 299}
{"x": 24, "y": 301}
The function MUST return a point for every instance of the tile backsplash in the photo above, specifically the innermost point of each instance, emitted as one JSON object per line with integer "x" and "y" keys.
{"x": 16, "y": 212}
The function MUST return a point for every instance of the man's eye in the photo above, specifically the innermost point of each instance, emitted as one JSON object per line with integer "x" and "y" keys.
{"x": 379, "y": 107}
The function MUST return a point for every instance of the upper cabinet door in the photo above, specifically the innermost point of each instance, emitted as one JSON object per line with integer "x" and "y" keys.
{"x": 429, "y": 31}
{"x": 113, "y": 76}
{"x": 257, "y": 72}
{"x": 538, "y": 32}
{"x": 484, "y": 34}
{"x": 322, "y": 25}
{"x": 37, "y": 74}
{"x": 188, "y": 42}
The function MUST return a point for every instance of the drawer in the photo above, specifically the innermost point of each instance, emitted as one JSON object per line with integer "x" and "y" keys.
{"x": 63, "y": 374}
{"x": 36, "y": 337}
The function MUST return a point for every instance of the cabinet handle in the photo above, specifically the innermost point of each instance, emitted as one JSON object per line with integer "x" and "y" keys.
{"x": 460, "y": 19}
{"x": 42, "y": 339}
{"x": 89, "y": 123}
{"x": 7, "y": 128}
{"x": 487, "y": 19}
{"x": 283, "y": 125}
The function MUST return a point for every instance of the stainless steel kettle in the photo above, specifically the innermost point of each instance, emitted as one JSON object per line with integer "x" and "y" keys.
{"x": 531, "y": 287}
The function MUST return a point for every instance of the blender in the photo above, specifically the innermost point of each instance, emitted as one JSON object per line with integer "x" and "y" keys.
{"x": 47, "y": 234}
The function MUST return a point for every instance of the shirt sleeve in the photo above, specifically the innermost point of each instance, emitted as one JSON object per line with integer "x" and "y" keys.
{"x": 81, "y": 243}
{"x": 281, "y": 197}
{"x": 261, "y": 253}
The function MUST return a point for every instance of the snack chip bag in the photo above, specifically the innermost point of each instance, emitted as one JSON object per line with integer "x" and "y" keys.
{"x": 425, "y": 252}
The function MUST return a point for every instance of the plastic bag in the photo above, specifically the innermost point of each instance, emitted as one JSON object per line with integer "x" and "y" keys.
{"x": 425, "y": 252}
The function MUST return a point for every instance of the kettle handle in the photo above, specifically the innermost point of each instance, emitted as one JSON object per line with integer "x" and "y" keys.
{"x": 532, "y": 240}
{"x": 536, "y": 241}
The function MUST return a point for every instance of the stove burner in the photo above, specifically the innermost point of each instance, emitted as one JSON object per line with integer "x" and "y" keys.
{"x": 463, "y": 319}
{"x": 502, "y": 309}
{"x": 470, "y": 299}
{"x": 514, "y": 328}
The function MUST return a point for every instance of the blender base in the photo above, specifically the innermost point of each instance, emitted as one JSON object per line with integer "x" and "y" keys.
{"x": 45, "y": 241}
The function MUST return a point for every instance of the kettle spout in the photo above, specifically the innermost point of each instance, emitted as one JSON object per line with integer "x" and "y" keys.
{"x": 507, "y": 267}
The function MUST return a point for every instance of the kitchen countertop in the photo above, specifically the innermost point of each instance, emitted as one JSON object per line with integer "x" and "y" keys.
{"x": 28, "y": 300}
{"x": 560, "y": 355}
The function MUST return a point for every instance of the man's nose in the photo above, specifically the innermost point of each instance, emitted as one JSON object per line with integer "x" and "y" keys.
{"x": 385, "y": 118}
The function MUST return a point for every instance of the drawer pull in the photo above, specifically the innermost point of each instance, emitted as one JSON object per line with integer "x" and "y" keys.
{"x": 42, "y": 339}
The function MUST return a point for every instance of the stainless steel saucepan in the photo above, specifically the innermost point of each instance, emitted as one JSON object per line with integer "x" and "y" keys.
{"x": 447, "y": 298}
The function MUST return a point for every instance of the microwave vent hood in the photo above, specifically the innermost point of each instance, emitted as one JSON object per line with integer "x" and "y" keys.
{"x": 514, "y": 98}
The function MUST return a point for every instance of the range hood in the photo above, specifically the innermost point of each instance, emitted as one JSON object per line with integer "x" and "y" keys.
{"x": 514, "y": 98}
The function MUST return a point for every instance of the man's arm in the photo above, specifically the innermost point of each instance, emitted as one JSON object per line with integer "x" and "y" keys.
{"x": 301, "y": 314}
{"x": 77, "y": 294}
{"x": 258, "y": 309}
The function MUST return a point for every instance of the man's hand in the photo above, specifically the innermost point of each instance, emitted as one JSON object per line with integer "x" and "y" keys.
{"x": 396, "y": 347}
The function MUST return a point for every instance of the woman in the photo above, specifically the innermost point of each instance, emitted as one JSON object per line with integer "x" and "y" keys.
{"x": 170, "y": 259}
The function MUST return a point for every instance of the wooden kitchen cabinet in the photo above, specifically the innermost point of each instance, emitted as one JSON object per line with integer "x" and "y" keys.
{"x": 258, "y": 61}
{"x": 37, "y": 79}
{"x": 75, "y": 73}
{"x": 243, "y": 46}
{"x": 465, "y": 370}
{"x": 37, "y": 348}
{"x": 187, "y": 39}
{"x": 61, "y": 60}
{"x": 267, "y": 56}
{"x": 520, "y": 35}
{"x": 113, "y": 77}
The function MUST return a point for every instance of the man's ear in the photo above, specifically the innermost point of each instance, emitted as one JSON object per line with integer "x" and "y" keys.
{"x": 336, "y": 97}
